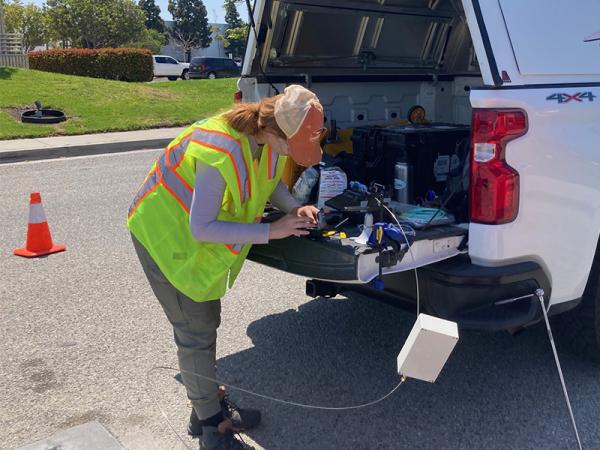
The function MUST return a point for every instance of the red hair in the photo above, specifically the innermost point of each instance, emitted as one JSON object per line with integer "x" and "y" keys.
{"x": 250, "y": 118}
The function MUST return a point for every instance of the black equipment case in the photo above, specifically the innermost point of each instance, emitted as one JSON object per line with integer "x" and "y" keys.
{"x": 431, "y": 151}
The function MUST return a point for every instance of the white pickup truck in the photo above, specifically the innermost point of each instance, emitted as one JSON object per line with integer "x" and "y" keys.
{"x": 166, "y": 66}
{"x": 526, "y": 76}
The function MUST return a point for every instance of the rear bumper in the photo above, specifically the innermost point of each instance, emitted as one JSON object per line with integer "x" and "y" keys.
{"x": 476, "y": 296}
{"x": 468, "y": 294}
{"x": 197, "y": 75}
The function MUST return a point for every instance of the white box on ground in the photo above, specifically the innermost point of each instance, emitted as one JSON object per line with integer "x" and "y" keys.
{"x": 427, "y": 348}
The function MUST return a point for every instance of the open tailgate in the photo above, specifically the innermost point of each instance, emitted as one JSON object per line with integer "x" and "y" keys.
{"x": 343, "y": 260}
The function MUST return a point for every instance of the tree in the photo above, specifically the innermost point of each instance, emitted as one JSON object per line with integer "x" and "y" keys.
{"x": 95, "y": 23}
{"x": 28, "y": 20}
{"x": 191, "y": 29}
{"x": 234, "y": 40}
{"x": 236, "y": 34}
{"x": 60, "y": 25}
{"x": 13, "y": 16}
{"x": 150, "y": 39}
{"x": 232, "y": 17}
{"x": 152, "y": 12}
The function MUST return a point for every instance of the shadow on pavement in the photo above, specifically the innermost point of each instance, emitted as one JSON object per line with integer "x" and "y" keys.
{"x": 497, "y": 391}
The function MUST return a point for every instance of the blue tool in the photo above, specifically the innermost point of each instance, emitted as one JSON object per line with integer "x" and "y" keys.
{"x": 431, "y": 196}
{"x": 378, "y": 284}
{"x": 384, "y": 235}
{"x": 358, "y": 187}
{"x": 383, "y": 230}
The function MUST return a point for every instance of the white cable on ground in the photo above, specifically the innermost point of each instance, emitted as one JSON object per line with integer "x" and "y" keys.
{"x": 150, "y": 393}
{"x": 540, "y": 294}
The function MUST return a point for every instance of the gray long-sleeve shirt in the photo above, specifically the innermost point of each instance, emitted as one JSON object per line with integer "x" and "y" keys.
{"x": 209, "y": 188}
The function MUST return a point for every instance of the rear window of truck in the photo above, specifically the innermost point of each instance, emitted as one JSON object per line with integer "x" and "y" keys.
{"x": 554, "y": 37}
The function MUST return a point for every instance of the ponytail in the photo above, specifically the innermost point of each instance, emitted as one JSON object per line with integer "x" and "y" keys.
{"x": 244, "y": 118}
{"x": 250, "y": 118}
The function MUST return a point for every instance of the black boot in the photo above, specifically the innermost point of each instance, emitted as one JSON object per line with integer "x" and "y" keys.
{"x": 242, "y": 419}
{"x": 211, "y": 439}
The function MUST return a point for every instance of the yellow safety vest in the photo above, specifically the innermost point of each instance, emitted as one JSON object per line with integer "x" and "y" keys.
{"x": 159, "y": 216}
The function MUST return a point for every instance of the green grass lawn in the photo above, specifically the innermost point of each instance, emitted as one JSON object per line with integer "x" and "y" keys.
{"x": 93, "y": 105}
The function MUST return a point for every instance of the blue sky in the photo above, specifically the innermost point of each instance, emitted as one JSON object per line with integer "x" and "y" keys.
{"x": 213, "y": 7}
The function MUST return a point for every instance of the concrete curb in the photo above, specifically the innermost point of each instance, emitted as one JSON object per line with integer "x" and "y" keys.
{"x": 19, "y": 150}
{"x": 80, "y": 150}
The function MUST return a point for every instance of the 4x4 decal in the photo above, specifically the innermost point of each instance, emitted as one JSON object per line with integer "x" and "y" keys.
{"x": 578, "y": 97}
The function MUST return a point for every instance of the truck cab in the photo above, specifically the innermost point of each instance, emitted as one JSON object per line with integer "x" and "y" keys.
{"x": 523, "y": 78}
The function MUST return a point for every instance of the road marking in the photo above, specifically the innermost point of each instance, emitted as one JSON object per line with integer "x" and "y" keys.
{"x": 81, "y": 157}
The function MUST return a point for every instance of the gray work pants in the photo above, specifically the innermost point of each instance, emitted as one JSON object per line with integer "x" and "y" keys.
{"x": 195, "y": 329}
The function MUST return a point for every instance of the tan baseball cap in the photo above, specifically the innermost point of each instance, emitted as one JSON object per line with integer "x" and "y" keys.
{"x": 300, "y": 116}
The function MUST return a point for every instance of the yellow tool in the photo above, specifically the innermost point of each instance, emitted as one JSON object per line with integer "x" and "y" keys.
{"x": 332, "y": 233}
{"x": 379, "y": 234}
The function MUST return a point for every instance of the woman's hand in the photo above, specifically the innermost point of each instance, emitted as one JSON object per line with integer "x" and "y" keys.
{"x": 290, "y": 225}
{"x": 309, "y": 211}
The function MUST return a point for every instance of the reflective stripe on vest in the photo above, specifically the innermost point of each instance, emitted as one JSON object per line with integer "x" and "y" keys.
{"x": 147, "y": 186}
{"x": 178, "y": 188}
{"x": 273, "y": 158}
{"x": 229, "y": 145}
{"x": 177, "y": 151}
{"x": 165, "y": 175}
{"x": 235, "y": 248}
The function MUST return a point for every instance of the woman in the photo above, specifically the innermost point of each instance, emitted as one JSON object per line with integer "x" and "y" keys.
{"x": 195, "y": 217}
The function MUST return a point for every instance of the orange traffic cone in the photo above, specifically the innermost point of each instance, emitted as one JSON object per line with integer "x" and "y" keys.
{"x": 39, "y": 241}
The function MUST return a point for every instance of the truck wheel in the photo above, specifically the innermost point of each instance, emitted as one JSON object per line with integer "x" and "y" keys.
{"x": 185, "y": 75}
{"x": 579, "y": 329}
{"x": 212, "y": 76}
{"x": 173, "y": 78}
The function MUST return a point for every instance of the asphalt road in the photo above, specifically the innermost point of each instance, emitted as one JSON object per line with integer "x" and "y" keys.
{"x": 79, "y": 330}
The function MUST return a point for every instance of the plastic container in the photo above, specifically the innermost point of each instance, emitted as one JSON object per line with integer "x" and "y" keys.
{"x": 402, "y": 182}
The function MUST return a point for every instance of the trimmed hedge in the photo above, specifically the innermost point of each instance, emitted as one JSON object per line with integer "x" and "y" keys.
{"x": 124, "y": 64}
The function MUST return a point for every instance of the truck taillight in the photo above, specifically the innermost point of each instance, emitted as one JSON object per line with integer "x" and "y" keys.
{"x": 494, "y": 187}
{"x": 202, "y": 67}
{"x": 237, "y": 97}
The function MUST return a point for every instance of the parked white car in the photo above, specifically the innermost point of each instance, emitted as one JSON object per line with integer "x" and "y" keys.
{"x": 166, "y": 66}
{"x": 526, "y": 77}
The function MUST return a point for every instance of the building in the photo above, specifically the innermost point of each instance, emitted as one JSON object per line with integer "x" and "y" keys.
{"x": 216, "y": 48}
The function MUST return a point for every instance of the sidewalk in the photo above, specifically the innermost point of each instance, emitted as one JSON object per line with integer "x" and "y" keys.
{"x": 87, "y": 144}
{"x": 89, "y": 436}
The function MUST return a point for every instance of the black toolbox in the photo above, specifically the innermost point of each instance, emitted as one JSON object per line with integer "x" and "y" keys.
{"x": 430, "y": 150}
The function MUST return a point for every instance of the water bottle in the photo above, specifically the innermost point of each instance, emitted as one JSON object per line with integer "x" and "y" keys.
{"x": 402, "y": 182}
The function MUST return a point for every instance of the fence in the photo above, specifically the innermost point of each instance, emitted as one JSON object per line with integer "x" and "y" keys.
{"x": 11, "y": 43}
{"x": 11, "y": 51}
{"x": 14, "y": 61}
